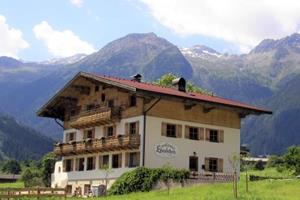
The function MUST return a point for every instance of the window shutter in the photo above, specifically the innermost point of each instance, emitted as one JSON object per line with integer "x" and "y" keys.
{"x": 120, "y": 160}
{"x": 221, "y": 136}
{"x": 179, "y": 131}
{"x": 114, "y": 131}
{"x": 138, "y": 158}
{"x": 100, "y": 162}
{"x": 137, "y": 127}
{"x": 77, "y": 164}
{"x": 94, "y": 162}
{"x": 201, "y": 133}
{"x": 187, "y": 132}
{"x": 207, "y": 134}
{"x": 206, "y": 164}
{"x": 72, "y": 164}
{"x": 127, "y": 159}
{"x": 163, "y": 129}
{"x": 93, "y": 134}
{"x": 220, "y": 165}
{"x": 84, "y": 134}
{"x": 126, "y": 129}
{"x": 64, "y": 166}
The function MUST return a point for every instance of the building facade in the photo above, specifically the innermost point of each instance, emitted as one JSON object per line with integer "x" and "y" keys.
{"x": 113, "y": 125}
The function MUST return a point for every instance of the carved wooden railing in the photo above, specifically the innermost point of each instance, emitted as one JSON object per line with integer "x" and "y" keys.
{"x": 95, "y": 117}
{"x": 117, "y": 143}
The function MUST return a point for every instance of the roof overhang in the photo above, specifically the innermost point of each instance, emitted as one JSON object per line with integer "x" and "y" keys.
{"x": 47, "y": 109}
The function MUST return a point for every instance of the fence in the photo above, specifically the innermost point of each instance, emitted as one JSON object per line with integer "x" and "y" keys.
{"x": 38, "y": 192}
{"x": 211, "y": 177}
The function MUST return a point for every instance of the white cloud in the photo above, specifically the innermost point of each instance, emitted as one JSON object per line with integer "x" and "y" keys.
{"x": 61, "y": 43}
{"x": 11, "y": 39}
{"x": 242, "y": 22}
{"x": 77, "y": 3}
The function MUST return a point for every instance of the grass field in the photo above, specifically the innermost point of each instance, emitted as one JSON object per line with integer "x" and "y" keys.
{"x": 288, "y": 189}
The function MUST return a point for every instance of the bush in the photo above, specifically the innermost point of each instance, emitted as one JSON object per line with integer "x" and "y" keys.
{"x": 11, "y": 167}
{"x": 32, "y": 178}
{"x": 259, "y": 165}
{"x": 143, "y": 179}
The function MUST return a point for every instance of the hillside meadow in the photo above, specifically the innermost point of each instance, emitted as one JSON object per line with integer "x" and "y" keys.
{"x": 285, "y": 189}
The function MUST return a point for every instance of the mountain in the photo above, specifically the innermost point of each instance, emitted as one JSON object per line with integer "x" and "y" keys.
{"x": 20, "y": 142}
{"x": 267, "y": 76}
{"x": 134, "y": 53}
{"x": 64, "y": 61}
{"x": 137, "y": 53}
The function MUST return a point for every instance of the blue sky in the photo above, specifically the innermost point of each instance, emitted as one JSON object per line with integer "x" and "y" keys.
{"x": 38, "y": 30}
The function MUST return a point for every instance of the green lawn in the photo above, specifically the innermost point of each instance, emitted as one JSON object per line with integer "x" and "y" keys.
{"x": 259, "y": 190}
{"x": 18, "y": 184}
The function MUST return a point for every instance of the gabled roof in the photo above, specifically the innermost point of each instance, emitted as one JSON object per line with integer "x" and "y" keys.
{"x": 135, "y": 86}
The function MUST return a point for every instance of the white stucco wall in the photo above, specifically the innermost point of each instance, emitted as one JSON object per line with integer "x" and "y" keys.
{"x": 187, "y": 147}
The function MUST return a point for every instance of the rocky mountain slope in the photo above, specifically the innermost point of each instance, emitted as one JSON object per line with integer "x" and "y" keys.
{"x": 266, "y": 76}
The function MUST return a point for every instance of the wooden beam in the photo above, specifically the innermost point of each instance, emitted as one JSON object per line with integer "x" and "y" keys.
{"x": 207, "y": 109}
{"x": 82, "y": 89}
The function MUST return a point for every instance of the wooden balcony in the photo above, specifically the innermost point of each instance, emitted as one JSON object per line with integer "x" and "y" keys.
{"x": 95, "y": 117}
{"x": 98, "y": 145}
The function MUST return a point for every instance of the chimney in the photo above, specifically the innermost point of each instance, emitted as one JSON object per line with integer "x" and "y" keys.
{"x": 179, "y": 83}
{"x": 136, "y": 78}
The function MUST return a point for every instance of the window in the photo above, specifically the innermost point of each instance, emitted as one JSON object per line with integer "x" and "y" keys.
{"x": 90, "y": 107}
{"x": 213, "y": 165}
{"x": 109, "y": 131}
{"x": 171, "y": 130}
{"x": 87, "y": 189}
{"x": 193, "y": 163}
{"x": 213, "y": 135}
{"x": 111, "y": 103}
{"x": 68, "y": 165}
{"x": 132, "y": 100}
{"x": 88, "y": 134}
{"x": 96, "y": 88}
{"x": 102, "y": 97}
{"x": 116, "y": 161}
{"x": 104, "y": 161}
{"x": 193, "y": 133}
{"x": 132, "y": 128}
{"x": 70, "y": 137}
{"x": 90, "y": 163}
{"x": 80, "y": 164}
{"x": 69, "y": 189}
{"x": 134, "y": 159}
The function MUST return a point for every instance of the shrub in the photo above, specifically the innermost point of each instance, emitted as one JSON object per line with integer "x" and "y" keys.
{"x": 32, "y": 178}
{"x": 259, "y": 165}
{"x": 142, "y": 179}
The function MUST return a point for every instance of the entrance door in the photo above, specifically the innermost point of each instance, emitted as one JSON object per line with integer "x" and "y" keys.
{"x": 193, "y": 163}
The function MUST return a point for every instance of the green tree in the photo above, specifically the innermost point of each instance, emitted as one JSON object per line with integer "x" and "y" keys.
{"x": 292, "y": 159}
{"x": 48, "y": 164}
{"x": 31, "y": 178}
{"x": 166, "y": 81}
{"x": 11, "y": 167}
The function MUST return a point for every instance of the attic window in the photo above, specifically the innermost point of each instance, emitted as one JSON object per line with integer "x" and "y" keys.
{"x": 102, "y": 97}
{"x": 96, "y": 88}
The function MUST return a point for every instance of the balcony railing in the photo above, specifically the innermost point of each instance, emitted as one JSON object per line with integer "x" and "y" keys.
{"x": 98, "y": 145}
{"x": 95, "y": 117}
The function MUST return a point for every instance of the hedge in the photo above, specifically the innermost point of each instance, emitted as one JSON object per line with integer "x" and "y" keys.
{"x": 143, "y": 179}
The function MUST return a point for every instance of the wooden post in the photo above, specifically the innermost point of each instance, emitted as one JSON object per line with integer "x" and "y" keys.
{"x": 38, "y": 193}
{"x": 246, "y": 180}
{"x": 65, "y": 196}
{"x": 235, "y": 185}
